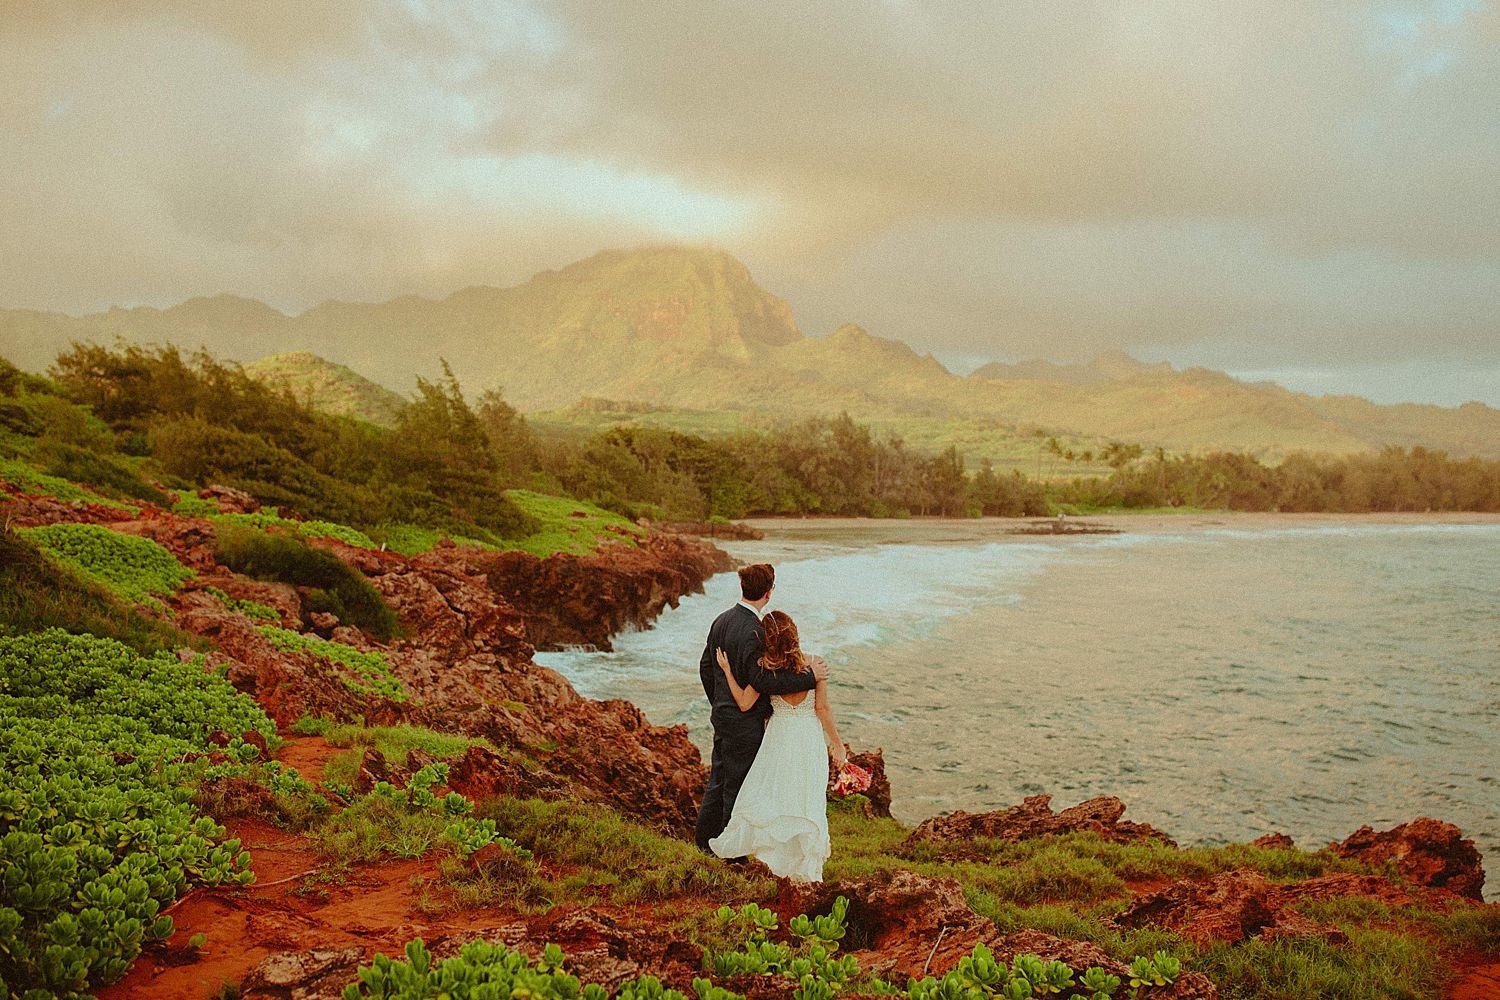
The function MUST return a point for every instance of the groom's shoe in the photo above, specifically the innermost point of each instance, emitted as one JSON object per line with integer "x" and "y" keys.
{"x": 737, "y": 861}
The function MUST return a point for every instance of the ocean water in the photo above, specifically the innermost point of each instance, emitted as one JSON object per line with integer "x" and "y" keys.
{"x": 1225, "y": 677}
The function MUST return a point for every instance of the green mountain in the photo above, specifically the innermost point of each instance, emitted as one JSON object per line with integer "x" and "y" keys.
{"x": 689, "y": 332}
{"x": 329, "y": 387}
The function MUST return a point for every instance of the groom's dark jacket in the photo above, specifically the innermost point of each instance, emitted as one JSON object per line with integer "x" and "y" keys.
{"x": 738, "y": 632}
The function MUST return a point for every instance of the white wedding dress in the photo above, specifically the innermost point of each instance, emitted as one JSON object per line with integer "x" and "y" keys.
{"x": 781, "y": 813}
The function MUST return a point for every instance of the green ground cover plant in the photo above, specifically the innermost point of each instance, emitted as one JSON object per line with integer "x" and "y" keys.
{"x": 366, "y": 673}
{"x": 332, "y": 585}
{"x": 97, "y": 828}
{"x": 37, "y": 593}
{"x": 28, "y": 479}
{"x": 137, "y": 569}
{"x": 414, "y": 539}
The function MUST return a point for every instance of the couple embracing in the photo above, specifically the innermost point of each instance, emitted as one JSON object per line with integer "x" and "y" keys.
{"x": 773, "y": 736}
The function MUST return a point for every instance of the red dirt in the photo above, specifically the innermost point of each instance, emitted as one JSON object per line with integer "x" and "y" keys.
{"x": 1478, "y": 979}
{"x": 308, "y": 754}
{"x": 373, "y": 908}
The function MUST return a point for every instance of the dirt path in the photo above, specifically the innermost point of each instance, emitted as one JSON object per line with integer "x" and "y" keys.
{"x": 290, "y": 908}
{"x": 1477, "y": 980}
{"x": 308, "y": 754}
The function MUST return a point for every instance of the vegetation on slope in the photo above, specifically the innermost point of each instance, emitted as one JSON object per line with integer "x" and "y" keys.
{"x": 97, "y": 830}
{"x": 37, "y": 594}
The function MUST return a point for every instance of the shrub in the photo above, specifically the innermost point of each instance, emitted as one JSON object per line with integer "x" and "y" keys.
{"x": 334, "y": 585}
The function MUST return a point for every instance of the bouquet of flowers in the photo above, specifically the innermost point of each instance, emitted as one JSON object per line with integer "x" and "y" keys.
{"x": 850, "y": 779}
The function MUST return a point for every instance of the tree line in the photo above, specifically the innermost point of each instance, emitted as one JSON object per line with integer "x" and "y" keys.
{"x": 109, "y": 412}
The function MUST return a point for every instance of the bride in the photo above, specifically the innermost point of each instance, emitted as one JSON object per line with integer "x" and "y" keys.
{"x": 781, "y": 814}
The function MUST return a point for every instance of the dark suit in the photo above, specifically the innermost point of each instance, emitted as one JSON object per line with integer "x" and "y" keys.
{"x": 737, "y": 734}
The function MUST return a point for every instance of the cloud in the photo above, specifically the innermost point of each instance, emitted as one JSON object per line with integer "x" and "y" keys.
{"x": 1316, "y": 183}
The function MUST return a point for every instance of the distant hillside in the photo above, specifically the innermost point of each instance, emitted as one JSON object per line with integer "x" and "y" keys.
{"x": 690, "y": 330}
{"x": 326, "y": 386}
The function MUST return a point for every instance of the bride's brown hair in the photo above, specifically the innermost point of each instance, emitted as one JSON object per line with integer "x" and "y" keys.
{"x": 783, "y": 649}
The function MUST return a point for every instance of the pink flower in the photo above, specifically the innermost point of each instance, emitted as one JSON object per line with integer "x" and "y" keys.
{"x": 851, "y": 779}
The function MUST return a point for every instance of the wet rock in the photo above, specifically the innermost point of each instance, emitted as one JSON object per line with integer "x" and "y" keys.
{"x": 956, "y": 833}
{"x": 320, "y": 974}
{"x": 1426, "y": 851}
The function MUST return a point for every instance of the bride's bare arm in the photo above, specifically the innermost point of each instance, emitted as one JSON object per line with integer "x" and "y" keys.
{"x": 830, "y": 731}
{"x": 744, "y": 697}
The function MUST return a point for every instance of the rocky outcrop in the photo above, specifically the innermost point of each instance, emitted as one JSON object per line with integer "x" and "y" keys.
{"x": 900, "y": 924}
{"x": 587, "y": 600}
{"x": 879, "y": 792}
{"x": 962, "y": 833}
{"x": 320, "y": 974}
{"x": 1241, "y": 904}
{"x": 1080, "y": 955}
{"x": 1426, "y": 851}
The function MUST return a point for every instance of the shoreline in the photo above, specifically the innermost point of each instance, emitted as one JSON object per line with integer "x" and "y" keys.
{"x": 968, "y": 529}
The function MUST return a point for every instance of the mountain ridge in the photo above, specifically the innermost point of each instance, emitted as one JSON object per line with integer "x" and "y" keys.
{"x": 690, "y": 328}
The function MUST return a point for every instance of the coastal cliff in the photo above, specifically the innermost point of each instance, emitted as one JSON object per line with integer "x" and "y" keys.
{"x": 595, "y": 803}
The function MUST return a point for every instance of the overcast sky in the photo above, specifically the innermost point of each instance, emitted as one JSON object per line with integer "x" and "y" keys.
{"x": 1304, "y": 192}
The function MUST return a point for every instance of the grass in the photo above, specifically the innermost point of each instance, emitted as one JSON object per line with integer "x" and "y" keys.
{"x": 570, "y": 525}
{"x": 393, "y": 742}
{"x": 600, "y": 856}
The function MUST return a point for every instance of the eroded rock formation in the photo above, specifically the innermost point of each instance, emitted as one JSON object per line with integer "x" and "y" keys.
{"x": 961, "y": 833}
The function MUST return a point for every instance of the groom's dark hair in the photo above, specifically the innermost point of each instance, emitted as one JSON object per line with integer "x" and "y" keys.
{"x": 756, "y": 580}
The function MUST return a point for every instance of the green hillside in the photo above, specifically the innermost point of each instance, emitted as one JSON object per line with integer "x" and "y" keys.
{"x": 688, "y": 331}
{"x": 332, "y": 388}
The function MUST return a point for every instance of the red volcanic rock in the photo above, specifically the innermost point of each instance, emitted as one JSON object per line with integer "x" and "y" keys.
{"x": 1274, "y": 841}
{"x": 230, "y": 500}
{"x": 895, "y": 919}
{"x": 586, "y": 600}
{"x": 191, "y": 542}
{"x": 27, "y": 511}
{"x": 653, "y": 774}
{"x": 1227, "y": 907}
{"x": 956, "y": 832}
{"x": 480, "y": 773}
{"x": 1426, "y": 851}
{"x": 374, "y": 768}
{"x": 1240, "y": 904}
{"x": 286, "y": 685}
{"x": 320, "y": 974}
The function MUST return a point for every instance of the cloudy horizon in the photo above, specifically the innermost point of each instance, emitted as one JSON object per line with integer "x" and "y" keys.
{"x": 1309, "y": 196}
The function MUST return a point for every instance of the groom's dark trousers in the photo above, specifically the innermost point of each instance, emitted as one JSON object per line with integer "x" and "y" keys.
{"x": 736, "y": 734}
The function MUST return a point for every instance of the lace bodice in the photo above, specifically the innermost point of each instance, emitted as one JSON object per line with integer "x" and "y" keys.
{"x": 784, "y": 707}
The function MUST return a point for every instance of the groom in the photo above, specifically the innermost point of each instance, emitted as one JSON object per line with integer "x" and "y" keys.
{"x": 737, "y": 734}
